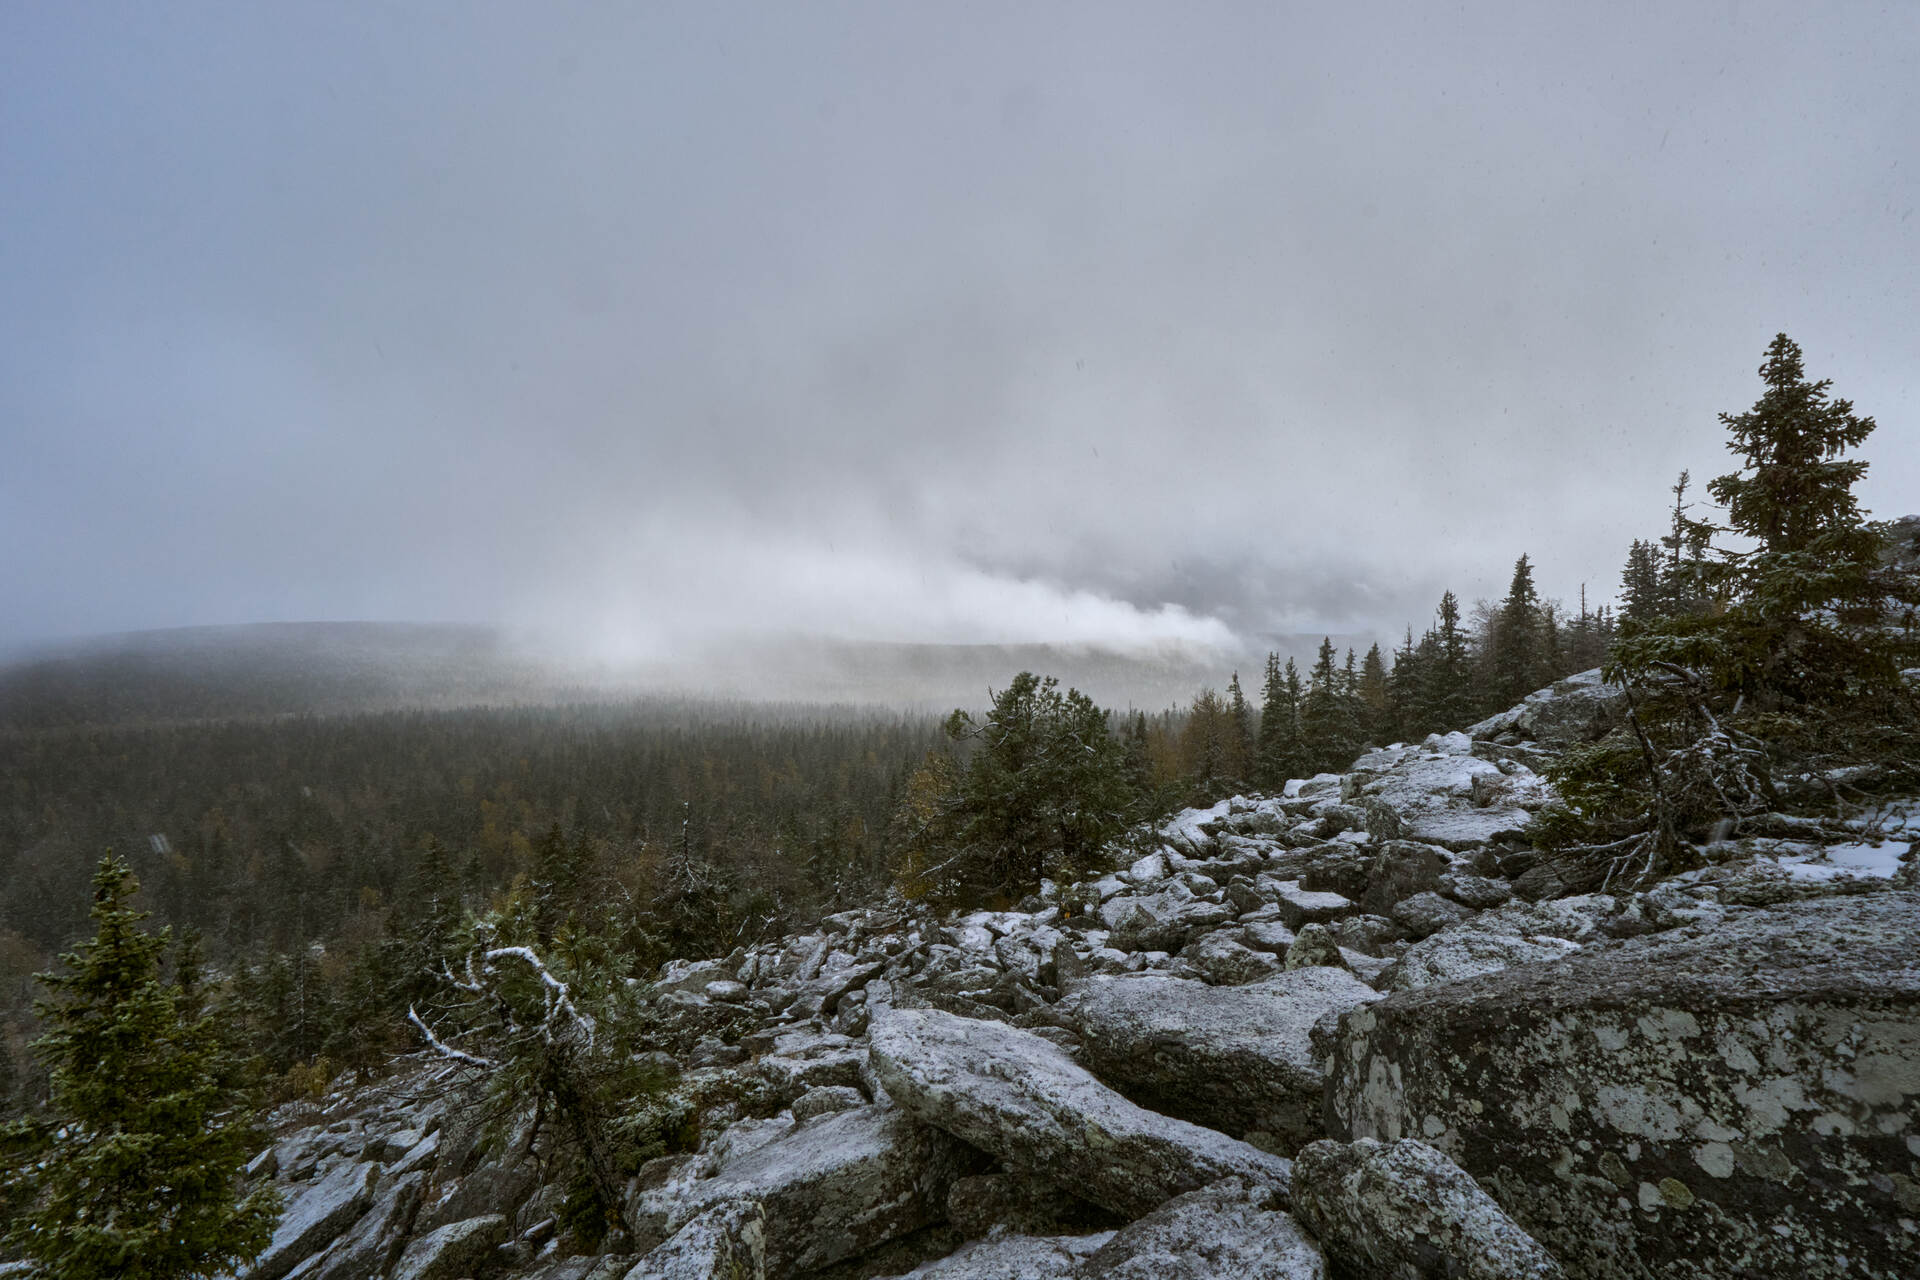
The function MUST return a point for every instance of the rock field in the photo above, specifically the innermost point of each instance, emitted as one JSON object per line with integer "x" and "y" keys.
{"x": 1343, "y": 1031}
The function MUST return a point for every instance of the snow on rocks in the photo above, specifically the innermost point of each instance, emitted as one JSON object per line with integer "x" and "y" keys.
{"x": 1403, "y": 1209}
{"x": 726, "y": 1242}
{"x": 831, "y": 1188}
{"x": 455, "y": 1250}
{"x": 1231, "y": 1230}
{"x": 1013, "y": 1257}
{"x": 1234, "y": 1058}
{"x": 316, "y": 1217}
{"x": 1021, "y": 1098}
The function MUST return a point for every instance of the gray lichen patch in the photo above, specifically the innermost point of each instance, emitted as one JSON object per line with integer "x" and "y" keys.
{"x": 1717, "y": 1103}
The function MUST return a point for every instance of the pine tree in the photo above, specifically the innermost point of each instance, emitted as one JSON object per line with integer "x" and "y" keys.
{"x": 139, "y": 1178}
{"x": 1206, "y": 745}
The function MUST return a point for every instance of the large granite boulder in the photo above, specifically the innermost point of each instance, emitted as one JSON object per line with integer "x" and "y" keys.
{"x": 1580, "y": 708}
{"x": 1724, "y": 1100}
{"x": 1403, "y": 1209}
{"x": 831, "y": 1188}
{"x": 1020, "y": 1097}
{"x": 1232, "y": 1058}
{"x": 1231, "y": 1230}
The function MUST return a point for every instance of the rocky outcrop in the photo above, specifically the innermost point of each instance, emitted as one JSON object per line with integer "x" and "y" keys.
{"x": 1726, "y": 1100}
{"x": 1019, "y": 1097}
{"x": 1580, "y": 708}
{"x": 829, "y": 1189}
{"x": 1235, "y": 1059}
{"x": 1403, "y": 1209}
{"x": 1655, "y": 1084}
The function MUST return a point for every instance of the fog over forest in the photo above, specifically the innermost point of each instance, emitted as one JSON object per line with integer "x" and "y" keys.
{"x": 632, "y": 327}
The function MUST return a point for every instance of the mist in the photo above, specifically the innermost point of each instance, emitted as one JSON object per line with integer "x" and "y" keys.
{"x": 638, "y": 328}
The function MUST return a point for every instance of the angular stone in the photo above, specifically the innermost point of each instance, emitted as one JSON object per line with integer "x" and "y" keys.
{"x": 831, "y": 1188}
{"x": 1017, "y": 1203}
{"x": 1300, "y": 907}
{"x": 1314, "y": 946}
{"x": 1425, "y": 914}
{"x": 1013, "y": 1257}
{"x": 1228, "y": 1231}
{"x": 1011, "y": 1093}
{"x": 727, "y": 1242}
{"x": 455, "y": 1250}
{"x": 316, "y": 1217}
{"x": 1747, "y": 1089}
{"x": 373, "y": 1242}
{"x": 827, "y": 1099}
{"x": 1478, "y": 892}
{"x": 1401, "y": 869}
{"x": 1220, "y": 960}
{"x": 1235, "y": 1059}
{"x": 1403, "y": 1209}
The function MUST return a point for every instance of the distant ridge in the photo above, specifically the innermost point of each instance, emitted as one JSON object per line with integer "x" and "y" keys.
{"x": 326, "y": 668}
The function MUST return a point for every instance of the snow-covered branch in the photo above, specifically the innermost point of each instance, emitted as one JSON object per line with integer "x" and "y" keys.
{"x": 442, "y": 1048}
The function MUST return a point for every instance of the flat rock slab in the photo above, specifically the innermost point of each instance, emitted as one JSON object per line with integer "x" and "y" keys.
{"x": 1236, "y": 1059}
{"x": 1013, "y": 1257}
{"x": 1727, "y": 1099}
{"x": 1020, "y": 1097}
{"x": 1402, "y": 1208}
{"x": 1225, "y": 1232}
{"x": 455, "y": 1250}
{"x": 316, "y": 1217}
{"x": 831, "y": 1188}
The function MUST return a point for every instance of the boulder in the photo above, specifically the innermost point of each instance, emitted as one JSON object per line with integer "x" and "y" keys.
{"x": 831, "y": 1188}
{"x": 1717, "y": 1101}
{"x": 727, "y": 1242}
{"x": 1014, "y": 1094}
{"x": 370, "y": 1246}
{"x": 455, "y": 1250}
{"x": 1425, "y": 914}
{"x": 1219, "y": 959}
{"x": 316, "y": 1217}
{"x": 1300, "y": 907}
{"x": 1580, "y": 708}
{"x": 1235, "y": 1059}
{"x": 1015, "y": 1202}
{"x": 1401, "y": 869}
{"x": 1231, "y": 1230}
{"x": 1403, "y": 1209}
{"x": 827, "y": 1099}
{"x": 1013, "y": 1257}
{"x": 1457, "y": 954}
{"x": 1315, "y": 946}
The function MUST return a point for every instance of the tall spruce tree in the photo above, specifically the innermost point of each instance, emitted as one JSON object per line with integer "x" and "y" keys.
{"x": 1516, "y": 657}
{"x": 1375, "y": 719}
{"x": 1239, "y": 733}
{"x": 137, "y": 1176}
{"x": 1280, "y": 746}
{"x": 1794, "y": 673}
{"x": 1329, "y": 735}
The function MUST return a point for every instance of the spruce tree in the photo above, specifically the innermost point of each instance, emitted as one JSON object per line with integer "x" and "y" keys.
{"x": 1642, "y": 585}
{"x": 1793, "y": 673}
{"x": 137, "y": 1176}
{"x": 1516, "y": 646}
{"x": 1239, "y": 733}
{"x": 1281, "y": 696}
{"x": 1374, "y": 715}
{"x": 1329, "y": 736}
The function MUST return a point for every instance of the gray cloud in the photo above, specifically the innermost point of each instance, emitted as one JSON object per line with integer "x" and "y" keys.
{"x": 1098, "y": 322}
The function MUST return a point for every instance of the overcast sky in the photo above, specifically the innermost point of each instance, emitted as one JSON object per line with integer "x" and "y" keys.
{"x": 957, "y": 321}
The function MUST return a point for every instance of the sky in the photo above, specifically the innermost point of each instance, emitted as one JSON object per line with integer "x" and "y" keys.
{"x": 1106, "y": 323}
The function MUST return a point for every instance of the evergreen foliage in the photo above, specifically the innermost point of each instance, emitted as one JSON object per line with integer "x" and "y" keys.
{"x": 136, "y": 1173}
{"x": 1046, "y": 787}
{"x": 1784, "y": 681}
{"x": 1281, "y": 752}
